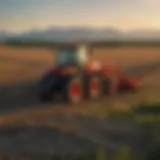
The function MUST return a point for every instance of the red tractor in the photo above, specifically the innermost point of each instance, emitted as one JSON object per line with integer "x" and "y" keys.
{"x": 76, "y": 78}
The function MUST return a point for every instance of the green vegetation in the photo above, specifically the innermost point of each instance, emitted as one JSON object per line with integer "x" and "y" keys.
{"x": 144, "y": 112}
{"x": 148, "y": 113}
{"x": 139, "y": 115}
{"x": 31, "y": 43}
{"x": 152, "y": 152}
{"x": 124, "y": 153}
{"x": 148, "y": 109}
{"x": 17, "y": 42}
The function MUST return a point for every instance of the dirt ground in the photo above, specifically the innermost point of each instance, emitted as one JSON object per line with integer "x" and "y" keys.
{"x": 29, "y": 127}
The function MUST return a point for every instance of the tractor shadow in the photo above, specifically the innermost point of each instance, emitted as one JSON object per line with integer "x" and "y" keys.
{"x": 20, "y": 96}
{"x": 25, "y": 95}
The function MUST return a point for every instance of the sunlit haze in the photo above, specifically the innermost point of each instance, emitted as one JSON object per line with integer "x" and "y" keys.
{"x": 23, "y": 15}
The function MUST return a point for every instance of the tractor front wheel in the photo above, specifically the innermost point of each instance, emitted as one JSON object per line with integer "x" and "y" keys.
{"x": 73, "y": 91}
{"x": 94, "y": 87}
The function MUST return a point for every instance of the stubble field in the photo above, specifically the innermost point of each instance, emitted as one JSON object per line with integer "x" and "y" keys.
{"x": 40, "y": 128}
{"x": 22, "y": 64}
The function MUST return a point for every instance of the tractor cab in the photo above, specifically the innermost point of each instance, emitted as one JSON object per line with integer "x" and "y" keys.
{"x": 76, "y": 56}
{"x": 73, "y": 72}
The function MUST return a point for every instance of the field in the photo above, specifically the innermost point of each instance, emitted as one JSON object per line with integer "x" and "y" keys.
{"x": 20, "y": 64}
{"x": 39, "y": 128}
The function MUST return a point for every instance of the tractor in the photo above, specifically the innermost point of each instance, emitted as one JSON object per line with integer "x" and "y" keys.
{"x": 76, "y": 77}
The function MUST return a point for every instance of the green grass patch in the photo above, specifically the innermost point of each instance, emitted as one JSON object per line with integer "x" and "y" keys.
{"x": 148, "y": 109}
{"x": 124, "y": 153}
{"x": 144, "y": 112}
{"x": 147, "y": 113}
{"x": 126, "y": 115}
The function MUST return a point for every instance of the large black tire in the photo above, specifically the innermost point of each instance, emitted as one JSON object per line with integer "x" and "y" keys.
{"x": 111, "y": 86}
{"x": 46, "y": 88}
{"x": 46, "y": 97}
{"x": 94, "y": 86}
{"x": 73, "y": 89}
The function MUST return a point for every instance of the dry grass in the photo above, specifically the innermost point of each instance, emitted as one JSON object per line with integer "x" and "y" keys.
{"x": 48, "y": 115}
{"x": 21, "y": 64}
{"x": 128, "y": 57}
{"x": 28, "y": 64}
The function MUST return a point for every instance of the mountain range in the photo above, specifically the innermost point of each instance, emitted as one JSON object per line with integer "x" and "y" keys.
{"x": 4, "y": 36}
{"x": 59, "y": 34}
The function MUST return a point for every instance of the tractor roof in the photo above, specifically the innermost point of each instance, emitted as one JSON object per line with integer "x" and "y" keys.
{"x": 72, "y": 47}
{"x": 67, "y": 47}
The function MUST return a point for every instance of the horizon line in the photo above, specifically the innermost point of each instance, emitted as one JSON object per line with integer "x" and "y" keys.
{"x": 80, "y": 26}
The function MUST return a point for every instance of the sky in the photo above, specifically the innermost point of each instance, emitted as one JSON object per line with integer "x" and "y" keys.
{"x": 23, "y": 15}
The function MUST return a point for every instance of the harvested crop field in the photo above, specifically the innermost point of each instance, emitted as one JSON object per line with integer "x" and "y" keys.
{"x": 21, "y": 64}
{"x": 29, "y": 127}
{"x": 22, "y": 67}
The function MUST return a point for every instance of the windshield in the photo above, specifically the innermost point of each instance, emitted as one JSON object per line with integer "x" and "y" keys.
{"x": 66, "y": 58}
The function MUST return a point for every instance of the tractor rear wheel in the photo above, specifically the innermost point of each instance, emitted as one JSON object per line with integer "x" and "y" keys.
{"x": 94, "y": 87}
{"x": 73, "y": 90}
{"x": 111, "y": 86}
{"x": 46, "y": 87}
{"x": 46, "y": 97}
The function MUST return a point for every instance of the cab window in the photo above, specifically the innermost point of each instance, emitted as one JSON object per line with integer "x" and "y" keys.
{"x": 66, "y": 58}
